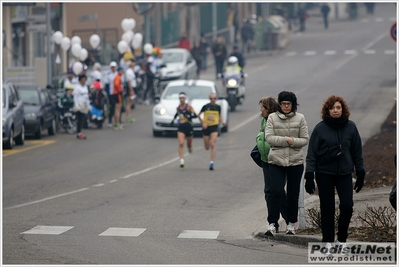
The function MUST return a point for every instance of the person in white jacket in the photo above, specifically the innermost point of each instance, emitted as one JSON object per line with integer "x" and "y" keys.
{"x": 81, "y": 104}
{"x": 287, "y": 133}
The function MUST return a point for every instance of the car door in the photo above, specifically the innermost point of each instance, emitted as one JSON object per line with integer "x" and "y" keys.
{"x": 17, "y": 109}
{"x": 47, "y": 107}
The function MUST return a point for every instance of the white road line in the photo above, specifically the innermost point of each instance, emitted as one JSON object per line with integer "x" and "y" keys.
{"x": 47, "y": 230}
{"x": 310, "y": 53}
{"x": 392, "y": 19}
{"x": 291, "y": 53}
{"x": 45, "y": 199}
{"x": 369, "y": 52}
{"x": 350, "y": 52}
{"x": 98, "y": 185}
{"x": 113, "y": 231}
{"x": 330, "y": 52}
{"x": 113, "y": 181}
{"x": 389, "y": 52}
{"x": 379, "y": 19}
{"x": 199, "y": 234}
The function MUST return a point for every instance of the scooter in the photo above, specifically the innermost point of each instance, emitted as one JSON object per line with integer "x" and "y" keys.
{"x": 235, "y": 89}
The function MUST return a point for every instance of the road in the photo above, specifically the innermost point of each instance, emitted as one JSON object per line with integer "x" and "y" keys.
{"x": 119, "y": 197}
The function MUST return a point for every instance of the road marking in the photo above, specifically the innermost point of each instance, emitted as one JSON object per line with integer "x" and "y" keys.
{"x": 379, "y": 19}
{"x": 113, "y": 231}
{"x": 47, "y": 230}
{"x": 369, "y": 52}
{"x": 310, "y": 53}
{"x": 27, "y": 146}
{"x": 291, "y": 53}
{"x": 98, "y": 185}
{"x": 389, "y": 52}
{"x": 350, "y": 52}
{"x": 330, "y": 52}
{"x": 199, "y": 234}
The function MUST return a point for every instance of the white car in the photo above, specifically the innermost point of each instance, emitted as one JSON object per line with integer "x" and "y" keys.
{"x": 197, "y": 92}
{"x": 179, "y": 65}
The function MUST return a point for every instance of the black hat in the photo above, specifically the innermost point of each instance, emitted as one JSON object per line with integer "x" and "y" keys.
{"x": 81, "y": 76}
{"x": 235, "y": 46}
{"x": 288, "y": 96}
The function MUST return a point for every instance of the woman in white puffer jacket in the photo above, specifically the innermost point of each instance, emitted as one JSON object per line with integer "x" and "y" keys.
{"x": 287, "y": 133}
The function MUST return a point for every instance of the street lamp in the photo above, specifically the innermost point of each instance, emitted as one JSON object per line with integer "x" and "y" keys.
{"x": 143, "y": 9}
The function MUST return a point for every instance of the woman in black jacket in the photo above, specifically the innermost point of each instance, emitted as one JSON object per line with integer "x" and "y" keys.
{"x": 335, "y": 148}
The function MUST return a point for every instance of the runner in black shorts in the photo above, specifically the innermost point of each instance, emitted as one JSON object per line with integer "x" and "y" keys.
{"x": 210, "y": 126}
{"x": 185, "y": 130}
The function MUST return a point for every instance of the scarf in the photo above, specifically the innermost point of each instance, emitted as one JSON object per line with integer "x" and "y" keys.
{"x": 336, "y": 123}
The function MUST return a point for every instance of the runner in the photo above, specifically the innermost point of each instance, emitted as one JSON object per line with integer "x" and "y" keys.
{"x": 186, "y": 113}
{"x": 210, "y": 126}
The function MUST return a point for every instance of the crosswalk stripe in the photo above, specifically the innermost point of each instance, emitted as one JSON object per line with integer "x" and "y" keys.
{"x": 48, "y": 230}
{"x": 199, "y": 234}
{"x": 114, "y": 231}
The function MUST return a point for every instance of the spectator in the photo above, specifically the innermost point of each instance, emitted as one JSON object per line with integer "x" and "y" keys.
{"x": 204, "y": 45}
{"x": 236, "y": 53}
{"x": 117, "y": 96}
{"x": 184, "y": 42}
{"x": 109, "y": 89}
{"x": 219, "y": 52}
{"x": 325, "y": 10}
{"x": 131, "y": 85}
{"x": 81, "y": 104}
{"x": 302, "y": 15}
{"x": 96, "y": 73}
{"x": 196, "y": 52}
{"x": 247, "y": 36}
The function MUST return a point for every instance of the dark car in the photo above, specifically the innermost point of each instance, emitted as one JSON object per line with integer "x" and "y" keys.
{"x": 13, "y": 117}
{"x": 40, "y": 111}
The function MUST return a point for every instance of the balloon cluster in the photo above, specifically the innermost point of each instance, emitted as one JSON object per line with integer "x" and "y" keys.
{"x": 129, "y": 38}
{"x": 75, "y": 44}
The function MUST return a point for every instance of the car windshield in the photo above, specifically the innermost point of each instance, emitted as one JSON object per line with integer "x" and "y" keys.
{"x": 29, "y": 97}
{"x": 169, "y": 57}
{"x": 4, "y": 97}
{"x": 192, "y": 92}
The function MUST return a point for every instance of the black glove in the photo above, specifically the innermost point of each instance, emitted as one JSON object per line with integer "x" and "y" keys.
{"x": 359, "y": 180}
{"x": 310, "y": 187}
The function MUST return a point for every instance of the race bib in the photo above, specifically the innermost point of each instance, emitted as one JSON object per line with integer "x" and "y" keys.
{"x": 183, "y": 119}
{"x": 211, "y": 117}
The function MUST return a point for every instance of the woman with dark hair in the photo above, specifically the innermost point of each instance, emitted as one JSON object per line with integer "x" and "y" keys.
{"x": 268, "y": 105}
{"x": 286, "y": 132}
{"x": 334, "y": 150}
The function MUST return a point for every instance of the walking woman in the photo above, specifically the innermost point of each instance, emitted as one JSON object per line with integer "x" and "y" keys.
{"x": 267, "y": 105}
{"x": 334, "y": 151}
{"x": 185, "y": 130}
{"x": 81, "y": 104}
{"x": 287, "y": 133}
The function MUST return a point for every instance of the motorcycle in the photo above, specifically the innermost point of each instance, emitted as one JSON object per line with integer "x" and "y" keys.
{"x": 235, "y": 89}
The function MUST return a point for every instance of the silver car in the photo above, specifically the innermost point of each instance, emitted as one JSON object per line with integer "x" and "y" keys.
{"x": 13, "y": 117}
{"x": 179, "y": 65}
{"x": 197, "y": 92}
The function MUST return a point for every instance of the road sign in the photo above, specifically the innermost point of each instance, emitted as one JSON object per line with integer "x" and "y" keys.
{"x": 393, "y": 31}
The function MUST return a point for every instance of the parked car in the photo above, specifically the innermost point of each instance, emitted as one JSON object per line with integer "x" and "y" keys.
{"x": 198, "y": 92}
{"x": 13, "y": 117}
{"x": 179, "y": 65}
{"x": 40, "y": 111}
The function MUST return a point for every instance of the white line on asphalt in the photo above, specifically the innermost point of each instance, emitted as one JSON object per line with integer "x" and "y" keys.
{"x": 98, "y": 185}
{"x": 310, "y": 53}
{"x": 330, "y": 52}
{"x": 113, "y": 181}
{"x": 48, "y": 230}
{"x": 115, "y": 231}
{"x": 45, "y": 199}
{"x": 199, "y": 234}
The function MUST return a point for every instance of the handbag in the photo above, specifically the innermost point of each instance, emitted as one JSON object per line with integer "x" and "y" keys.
{"x": 255, "y": 155}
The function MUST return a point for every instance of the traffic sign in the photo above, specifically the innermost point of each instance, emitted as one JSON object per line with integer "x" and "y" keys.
{"x": 393, "y": 31}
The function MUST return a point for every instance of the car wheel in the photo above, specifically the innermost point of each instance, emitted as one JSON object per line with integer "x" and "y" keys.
{"x": 10, "y": 142}
{"x": 20, "y": 140}
{"x": 38, "y": 133}
{"x": 52, "y": 129}
{"x": 156, "y": 133}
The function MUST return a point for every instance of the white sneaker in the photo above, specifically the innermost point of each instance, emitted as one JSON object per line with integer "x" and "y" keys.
{"x": 341, "y": 248}
{"x": 181, "y": 163}
{"x": 133, "y": 97}
{"x": 290, "y": 229}
{"x": 271, "y": 230}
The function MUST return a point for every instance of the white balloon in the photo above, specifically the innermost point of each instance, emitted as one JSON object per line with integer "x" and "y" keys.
{"x": 57, "y": 37}
{"x": 77, "y": 67}
{"x": 127, "y": 36}
{"x": 122, "y": 46}
{"x": 148, "y": 48}
{"x": 138, "y": 36}
{"x": 126, "y": 25}
{"x": 76, "y": 40}
{"x": 95, "y": 41}
{"x": 83, "y": 54}
{"x": 136, "y": 43}
{"x": 65, "y": 43}
{"x": 76, "y": 49}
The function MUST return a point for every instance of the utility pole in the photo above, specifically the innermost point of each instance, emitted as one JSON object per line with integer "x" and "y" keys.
{"x": 49, "y": 65}
{"x": 214, "y": 22}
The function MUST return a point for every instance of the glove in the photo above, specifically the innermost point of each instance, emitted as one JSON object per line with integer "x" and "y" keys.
{"x": 310, "y": 186}
{"x": 359, "y": 180}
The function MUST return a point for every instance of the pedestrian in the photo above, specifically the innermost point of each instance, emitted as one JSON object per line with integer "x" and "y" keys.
{"x": 131, "y": 85}
{"x": 197, "y": 54}
{"x": 70, "y": 80}
{"x": 184, "y": 42}
{"x": 286, "y": 132}
{"x": 219, "y": 52}
{"x": 268, "y": 105}
{"x": 185, "y": 130}
{"x": 335, "y": 149}
{"x": 204, "y": 45}
{"x": 210, "y": 126}
{"x": 97, "y": 104}
{"x": 96, "y": 72}
{"x": 240, "y": 57}
{"x": 151, "y": 71}
{"x": 81, "y": 104}
{"x": 117, "y": 96}
{"x": 325, "y": 10}
{"x": 302, "y": 15}
{"x": 109, "y": 89}
{"x": 247, "y": 36}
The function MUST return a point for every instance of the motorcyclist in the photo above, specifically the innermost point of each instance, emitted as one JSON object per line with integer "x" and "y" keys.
{"x": 232, "y": 68}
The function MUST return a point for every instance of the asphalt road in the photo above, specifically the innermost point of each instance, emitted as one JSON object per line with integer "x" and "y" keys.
{"x": 119, "y": 197}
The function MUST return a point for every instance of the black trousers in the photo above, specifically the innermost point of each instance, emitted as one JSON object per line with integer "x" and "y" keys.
{"x": 279, "y": 177}
{"x": 327, "y": 185}
{"x": 80, "y": 118}
{"x": 267, "y": 191}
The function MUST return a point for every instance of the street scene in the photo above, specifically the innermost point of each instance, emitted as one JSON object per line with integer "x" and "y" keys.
{"x": 97, "y": 176}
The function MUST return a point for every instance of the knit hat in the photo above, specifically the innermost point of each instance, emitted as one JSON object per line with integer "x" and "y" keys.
{"x": 287, "y": 96}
